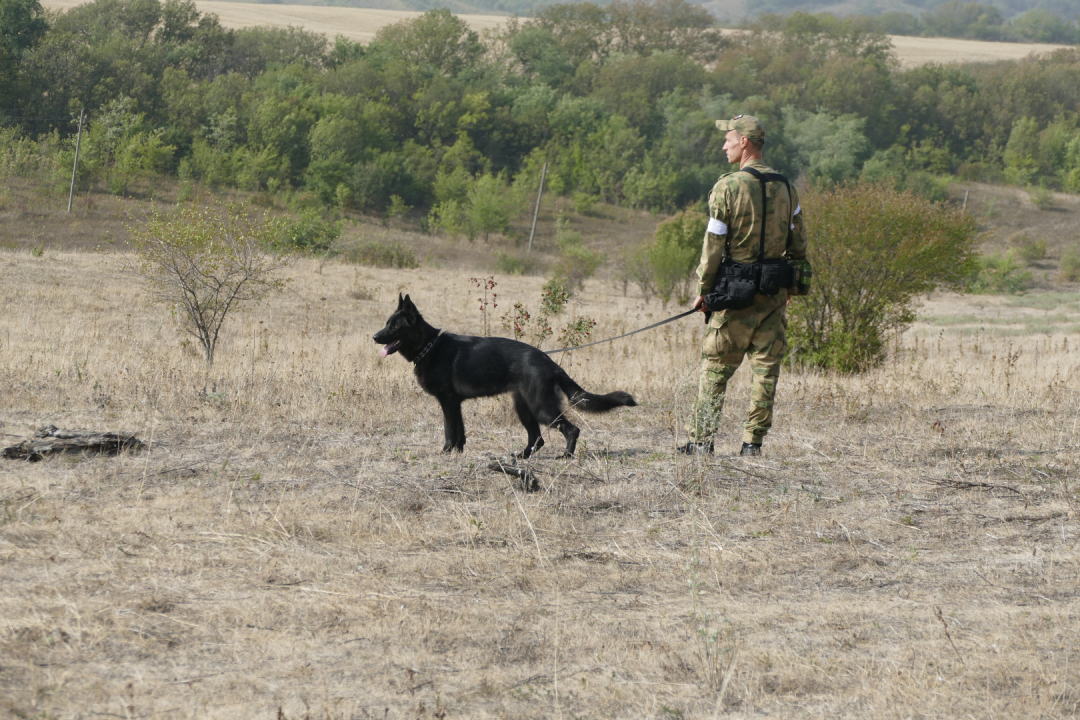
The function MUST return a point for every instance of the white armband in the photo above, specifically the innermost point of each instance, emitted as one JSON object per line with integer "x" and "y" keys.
{"x": 716, "y": 227}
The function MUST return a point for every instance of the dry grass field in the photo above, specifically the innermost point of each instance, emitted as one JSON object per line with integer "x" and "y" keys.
{"x": 361, "y": 24}
{"x": 292, "y": 544}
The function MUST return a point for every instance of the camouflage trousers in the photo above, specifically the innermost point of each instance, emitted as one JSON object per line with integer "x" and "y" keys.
{"x": 760, "y": 332}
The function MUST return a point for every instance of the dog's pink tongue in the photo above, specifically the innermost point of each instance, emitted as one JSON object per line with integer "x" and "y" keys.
{"x": 385, "y": 350}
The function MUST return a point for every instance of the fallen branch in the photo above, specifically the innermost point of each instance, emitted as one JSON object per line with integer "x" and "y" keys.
{"x": 968, "y": 485}
{"x": 51, "y": 439}
{"x": 528, "y": 476}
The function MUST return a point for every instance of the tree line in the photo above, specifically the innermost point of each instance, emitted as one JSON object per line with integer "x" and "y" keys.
{"x": 618, "y": 101}
{"x": 956, "y": 19}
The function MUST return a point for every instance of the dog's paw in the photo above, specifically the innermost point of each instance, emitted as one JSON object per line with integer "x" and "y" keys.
{"x": 564, "y": 456}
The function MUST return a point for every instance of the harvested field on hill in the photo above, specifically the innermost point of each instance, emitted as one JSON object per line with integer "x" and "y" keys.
{"x": 293, "y": 542}
{"x": 914, "y": 51}
{"x": 357, "y": 24}
{"x": 361, "y": 24}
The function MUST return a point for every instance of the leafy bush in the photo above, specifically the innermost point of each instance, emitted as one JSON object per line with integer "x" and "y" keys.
{"x": 576, "y": 331}
{"x": 536, "y": 329}
{"x": 1070, "y": 266}
{"x": 512, "y": 264}
{"x": 473, "y": 206}
{"x": 584, "y": 202}
{"x": 576, "y": 262}
{"x": 996, "y": 274}
{"x": 634, "y": 267}
{"x": 380, "y": 253}
{"x": 311, "y": 232}
{"x": 1041, "y": 198}
{"x": 1029, "y": 250}
{"x": 874, "y": 249}
{"x": 893, "y": 166}
{"x": 675, "y": 254}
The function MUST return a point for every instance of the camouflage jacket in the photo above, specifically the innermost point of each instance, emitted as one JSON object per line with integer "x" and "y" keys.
{"x": 735, "y": 214}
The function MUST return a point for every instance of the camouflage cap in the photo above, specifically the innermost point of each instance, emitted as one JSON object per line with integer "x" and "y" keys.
{"x": 746, "y": 125}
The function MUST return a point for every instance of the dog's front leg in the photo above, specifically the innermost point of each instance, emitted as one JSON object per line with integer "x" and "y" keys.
{"x": 453, "y": 425}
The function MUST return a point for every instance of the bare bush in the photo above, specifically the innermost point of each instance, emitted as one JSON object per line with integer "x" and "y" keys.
{"x": 202, "y": 262}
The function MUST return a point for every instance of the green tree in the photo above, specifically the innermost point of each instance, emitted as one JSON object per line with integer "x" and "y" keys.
{"x": 959, "y": 19}
{"x": 829, "y": 149}
{"x": 437, "y": 42}
{"x": 1021, "y": 152}
{"x": 1042, "y": 26}
{"x": 491, "y": 205}
{"x": 22, "y": 25}
{"x": 644, "y": 28}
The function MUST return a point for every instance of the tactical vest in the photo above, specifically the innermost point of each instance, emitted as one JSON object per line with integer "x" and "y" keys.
{"x": 738, "y": 283}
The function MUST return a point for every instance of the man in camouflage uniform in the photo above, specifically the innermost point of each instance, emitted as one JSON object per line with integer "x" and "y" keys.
{"x": 735, "y": 217}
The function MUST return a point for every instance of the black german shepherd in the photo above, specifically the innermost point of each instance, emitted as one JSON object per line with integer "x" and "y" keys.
{"x": 454, "y": 368}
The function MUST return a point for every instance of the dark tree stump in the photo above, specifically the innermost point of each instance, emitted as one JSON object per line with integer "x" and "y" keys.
{"x": 51, "y": 439}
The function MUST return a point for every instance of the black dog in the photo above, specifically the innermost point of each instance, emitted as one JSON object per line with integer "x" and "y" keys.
{"x": 454, "y": 368}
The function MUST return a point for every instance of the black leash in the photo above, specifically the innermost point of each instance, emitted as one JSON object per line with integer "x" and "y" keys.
{"x": 635, "y": 332}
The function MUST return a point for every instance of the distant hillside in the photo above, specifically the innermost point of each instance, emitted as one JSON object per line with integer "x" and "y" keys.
{"x": 1065, "y": 9}
{"x": 726, "y": 11}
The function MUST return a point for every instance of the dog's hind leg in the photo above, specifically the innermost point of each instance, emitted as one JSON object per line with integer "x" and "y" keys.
{"x": 453, "y": 425}
{"x": 532, "y": 427}
{"x": 570, "y": 431}
{"x": 547, "y": 408}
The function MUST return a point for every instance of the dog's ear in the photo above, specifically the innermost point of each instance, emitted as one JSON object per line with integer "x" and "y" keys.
{"x": 400, "y": 301}
{"x": 407, "y": 306}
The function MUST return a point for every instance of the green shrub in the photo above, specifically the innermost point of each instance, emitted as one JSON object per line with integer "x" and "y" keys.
{"x": 874, "y": 249}
{"x": 1029, "y": 250}
{"x": 1070, "y": 266}
{"x": 674, "y": 255}
{"x": 930, "y": 187}
{"x": 1041, "y": 198}
{"x": 576, "y": 262}
{"x": 511, "y": 264}
{"x": 634, "y": 267}
{"x": 584, "y": 202}
{"x": 397, "y": 207}
{"x": 998, "y": 274}
{"x": 380, "y": 253}
{"x": 310, "y": 232}
{"x": 536, "y": 329}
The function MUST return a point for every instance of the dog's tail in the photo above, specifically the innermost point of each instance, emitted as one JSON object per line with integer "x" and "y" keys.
{"x": 591, "y": 403}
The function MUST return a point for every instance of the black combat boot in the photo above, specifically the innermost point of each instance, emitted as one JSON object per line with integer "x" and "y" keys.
{"x": 693, "y": 448}
{"x": 750, "y": 449}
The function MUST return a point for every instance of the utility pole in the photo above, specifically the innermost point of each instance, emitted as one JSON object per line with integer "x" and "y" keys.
{"x": 543, "y": 174}
{"x": 75, "y": 168}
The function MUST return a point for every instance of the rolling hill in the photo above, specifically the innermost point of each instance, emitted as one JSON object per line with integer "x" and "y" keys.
{"x": 361, "y": 24}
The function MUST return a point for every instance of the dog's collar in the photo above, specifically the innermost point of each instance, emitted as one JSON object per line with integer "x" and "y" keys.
{"x": 429, "y": 346}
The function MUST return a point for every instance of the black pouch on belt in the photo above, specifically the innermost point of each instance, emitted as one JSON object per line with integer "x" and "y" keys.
{"x": 775, "y": 276}
{"x": 736, "y": 286}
